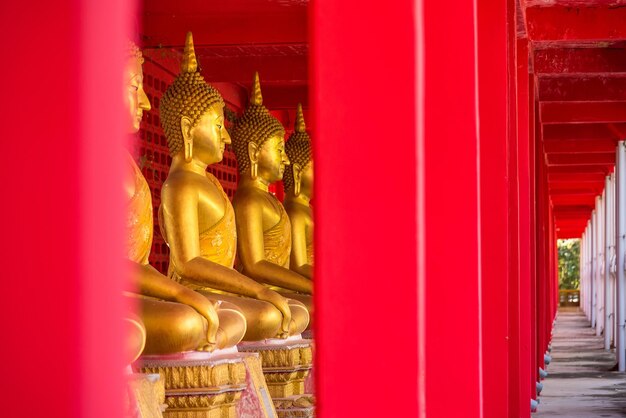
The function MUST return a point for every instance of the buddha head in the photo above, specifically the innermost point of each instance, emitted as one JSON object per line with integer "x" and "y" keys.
{"x": 136, "y": 100}
{"x": 299, "y": 177}
{"x": 259, "y": 141}
{"x": 192, "y": 114}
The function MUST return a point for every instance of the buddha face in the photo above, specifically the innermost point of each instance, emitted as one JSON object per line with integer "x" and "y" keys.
{"x": 135, "y": 99}
{"x": 272, "y": 159}
{"x": 209, "y": 136}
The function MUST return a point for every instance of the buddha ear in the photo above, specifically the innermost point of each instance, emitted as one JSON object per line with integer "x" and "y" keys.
{"x": 253, "y": 154}
{"x": 297, "y": 177}
{"x": 186, "y": 125}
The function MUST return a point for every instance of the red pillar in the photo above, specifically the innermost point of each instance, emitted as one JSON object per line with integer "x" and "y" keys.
{"x": 527, "y": 384}
{"x": 541, "y": 246}
{"x": 448, "y": 207}
{"x": 535, "y": 243}
{"x": 493, "y": 98}
{"x": 62, "y": 215}
{"x": 365, "y": 206}
{"x": 379, "y": 313}
{"x": 519, "y": 406}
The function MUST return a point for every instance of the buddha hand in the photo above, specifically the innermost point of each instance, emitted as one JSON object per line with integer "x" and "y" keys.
{"x": 282, "y": 305}
{"x": 205, "y": 308}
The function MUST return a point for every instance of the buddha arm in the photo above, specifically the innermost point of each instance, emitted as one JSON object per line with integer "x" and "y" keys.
{"x": 249, "y": 215}
{"x": 299, "y": 260}
{"x": 149, "y": 282}
{"x": 180, "y": 217}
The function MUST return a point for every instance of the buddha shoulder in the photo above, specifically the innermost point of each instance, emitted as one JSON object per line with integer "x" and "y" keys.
{"x": 298, "y": 214}
{"x": 252, "y": 200}
{"x": 181, "y": 183}
{"x": 250, "y": 196}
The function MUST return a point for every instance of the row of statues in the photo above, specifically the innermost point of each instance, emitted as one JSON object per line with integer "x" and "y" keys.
{"x": 204, "y": 303}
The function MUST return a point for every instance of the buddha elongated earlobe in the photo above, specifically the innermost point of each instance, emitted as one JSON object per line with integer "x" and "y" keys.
{"x": 185, "y": 128}
{"x": 254, "y": 170}
{"x": 297, "y": 177}
{"x": 253, "y": 154}
{"x": 188, "y": 150}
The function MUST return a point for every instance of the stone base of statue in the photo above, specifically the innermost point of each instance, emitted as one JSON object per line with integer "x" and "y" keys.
{"x": 198, "y": 384}
{"x": 298, "y": 406}
{"x": 255, "y": 401}
{"x": 286, "y": 367}
{"x": 144, "y": 396}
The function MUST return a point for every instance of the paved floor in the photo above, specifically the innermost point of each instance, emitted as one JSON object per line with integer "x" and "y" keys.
{"x": 580, "y": 384}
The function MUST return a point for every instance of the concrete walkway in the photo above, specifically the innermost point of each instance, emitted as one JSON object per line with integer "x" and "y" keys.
{"x": 580, "y": 384}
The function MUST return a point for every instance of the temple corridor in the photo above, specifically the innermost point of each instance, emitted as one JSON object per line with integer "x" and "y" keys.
{"x": 579, "y": 383}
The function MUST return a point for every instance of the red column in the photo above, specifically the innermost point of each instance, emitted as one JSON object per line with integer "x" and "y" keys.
{"x": 544, "y": 259}
{"x": 449, "y": 209}
{"x": 363, "y": 112}
{"x": 527, "y": 384}
{"x": 62, "y": 214}
{"x": 519, "y": 407}
{"x": 394, "y": 193}
{"x": 493, "y": 95}
{"x": 534, "y": 230}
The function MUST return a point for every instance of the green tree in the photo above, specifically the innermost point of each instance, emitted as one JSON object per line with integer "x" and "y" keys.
{"x": 569, "y": 263}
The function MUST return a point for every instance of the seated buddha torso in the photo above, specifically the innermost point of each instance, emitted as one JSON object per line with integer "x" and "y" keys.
{"x": 302, "y": 215}
{"x": 217, "y": 232}
{"x": 276, "y": 225}
{"x": 139, "y": 223}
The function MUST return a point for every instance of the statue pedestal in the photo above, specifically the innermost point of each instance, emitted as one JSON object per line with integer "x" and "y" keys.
{"x": 286, "y": 366}
{"x": 299, "y": 406}
{"x": 255, "y": 401}
{"x": 198, "y": 384}
{"x": 145, "y": 396}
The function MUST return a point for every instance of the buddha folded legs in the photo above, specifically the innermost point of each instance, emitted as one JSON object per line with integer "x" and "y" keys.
{"x": 185, "y": 329}
{"x": 196, "y": 216}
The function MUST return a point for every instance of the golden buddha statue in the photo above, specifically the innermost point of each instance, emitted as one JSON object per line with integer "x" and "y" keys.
{"x": 298, "y": 181}
{"x": 263, "y": 227}
{"x": 176, "y": 319}
{"x": 196, "y": 216}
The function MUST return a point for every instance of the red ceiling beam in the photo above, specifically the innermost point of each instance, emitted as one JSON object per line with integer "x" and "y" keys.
{"x": 576, "y": 192}
{"x": 579, "y": 60}
{"x": 572, "y": 223}
{"x": 569, "y": 234}
{"x": 574, "y": 200}
{"x": 271, "y": 68}
{"x": 246, "y": 28}
{"x": 575, "y": 188}
{"x": 281, "y": 63}
{"x": 584, "y": 132}
{"x": 583, "y": 88}
{"x": 603, "y": 169}
{"x": 572, "y": 211}
{"x": 282, "y": 96}
{"x": 576, "y": 178}
{"x": 578, "y": 146}
{"x": 558, "y": 23}
{"x": 582, "y": 159}
{"x": 583, "y": 112}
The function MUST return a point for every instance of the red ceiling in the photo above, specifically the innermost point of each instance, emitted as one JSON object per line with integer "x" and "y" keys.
{"x": 578, "y": 55}
{"x": 235, "y": 38}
